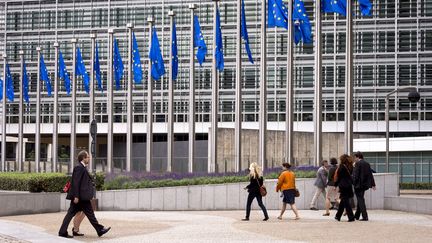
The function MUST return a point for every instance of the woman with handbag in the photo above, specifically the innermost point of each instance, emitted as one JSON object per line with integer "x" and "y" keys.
{"x": 343, "y": 180}
{"x": 256, "y": 190}
{"x": 286, "y": 184}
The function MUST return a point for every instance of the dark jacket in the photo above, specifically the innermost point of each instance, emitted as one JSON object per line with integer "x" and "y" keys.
{"x": 81, "y": 184}
{"x": 331, "y": 173}
{"x": 344, "y": 182}
{"x": 362, "y": 176}
{"x": 253, "y": 186}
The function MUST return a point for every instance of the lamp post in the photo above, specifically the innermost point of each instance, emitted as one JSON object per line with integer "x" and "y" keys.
{"x": 413, "y": 96}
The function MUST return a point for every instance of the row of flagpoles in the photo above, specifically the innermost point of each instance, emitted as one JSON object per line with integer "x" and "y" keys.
{"x": 278, "y": 15}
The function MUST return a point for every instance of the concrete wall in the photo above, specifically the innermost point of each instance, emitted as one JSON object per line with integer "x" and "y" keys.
{"x": 302, "y": 145}
{"x": 412, "y": 204}
{"x": 225, "y": 196}
{"x": 29, "y": 203}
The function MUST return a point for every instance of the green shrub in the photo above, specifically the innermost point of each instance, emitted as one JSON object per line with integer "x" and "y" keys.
{"x": 126, "y": 182}
{"x": 39, "y": 182}
{"x": 415, "y": 186}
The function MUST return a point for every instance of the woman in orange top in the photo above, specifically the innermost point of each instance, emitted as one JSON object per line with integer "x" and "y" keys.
{"x": 286, "y": 184}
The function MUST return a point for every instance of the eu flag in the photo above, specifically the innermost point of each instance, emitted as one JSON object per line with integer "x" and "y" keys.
{"x": 365, "y": 7}
{"x": 174, "y": 53}
{"x": 302, "y": 25}
{"x": 219, "y": 44}
{"x": 199, "y": 41}
{"x": 118, "y": 65}
{"x": 9, "y": 85}
{"x": 44, "y": 74}
{"x": 137, "y": 69}
{"x": 25, "y": 84}
{"x": 339, "y": 6}
{"x": 158, "y": 67}
{"x": 81, "y": 70}
{"x": 277, "y": 14}
{"x": 244, "y": 33}
{"x": 334, "y": 6}
{"x": 97, "y": 69}
{"x": 63, "y": 73}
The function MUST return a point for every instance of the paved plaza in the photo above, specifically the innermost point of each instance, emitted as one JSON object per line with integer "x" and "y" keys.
{"x": 224, "y": 226}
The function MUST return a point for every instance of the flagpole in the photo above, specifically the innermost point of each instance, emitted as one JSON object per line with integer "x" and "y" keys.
{"x": 170, "y": 98}
{"x": 289, "y": 102}
{"x": 129, "y": 135}
{"x": 38, "y": 104}
{"x": 263, "y": 89}
{"x": 3, "y": 145}
{"x": 318, "y": 87}
{"x": 21, "y": 106}
{"x": 55, "y": 120}
{"x": 110, "y": 88}
{"x": 191, "y": 119}
{"x": 349, "y": 81}
{"x": 149, "y": 142}
{"x": 238, "y": 97}
{"x": 73, "y": 108}
{"x": 215, "y": 99}
{"x": 92, "y": 98}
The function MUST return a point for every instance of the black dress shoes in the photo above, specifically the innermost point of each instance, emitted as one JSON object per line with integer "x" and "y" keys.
{"x": 76, "y": 233}
{"x": 65, "y": 235}
{"x": 351, "y": 220}
{"x": 363, "y": 219}
{"x": 103, "y": 231}
{"x": 337, "y": 218}
{"x": 245, "y": 219}
{"x": 266, "y": 218}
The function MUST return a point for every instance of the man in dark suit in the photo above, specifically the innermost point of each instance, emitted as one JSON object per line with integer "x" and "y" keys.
{"x": 363, "y": 180}
{"x": 80, "y": 194}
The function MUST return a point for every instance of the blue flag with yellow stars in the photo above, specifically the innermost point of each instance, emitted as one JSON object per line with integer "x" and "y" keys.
{"x": 199, "y": 41}
{"x": 158, "y": 67}
{"x": 44, "y": 74}
{"x": 174, "y": 53}
{"x": 80, "y": 70}
{"x": 63, "y": 73}
{"x": 219, "y": 44}
{"x": 118, "y": 65}
{"x": 137, "y": 68}
{"x": 244, "y": 33}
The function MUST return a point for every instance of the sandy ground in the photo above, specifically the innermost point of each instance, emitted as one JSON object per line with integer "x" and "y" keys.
{"x": 226, "y": 226}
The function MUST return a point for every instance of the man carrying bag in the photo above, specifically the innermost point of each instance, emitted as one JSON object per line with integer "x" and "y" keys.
{"x": 81, "y": 192}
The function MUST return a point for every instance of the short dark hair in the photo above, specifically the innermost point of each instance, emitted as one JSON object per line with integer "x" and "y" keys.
{"x": 82, "y": 155}
{"x": 286, "y": 165}
{"x": 359, "y": 155}
{"x": 333, "y": 161}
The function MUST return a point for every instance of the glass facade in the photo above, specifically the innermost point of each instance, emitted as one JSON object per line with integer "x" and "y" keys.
{"x": 392, "y": 48}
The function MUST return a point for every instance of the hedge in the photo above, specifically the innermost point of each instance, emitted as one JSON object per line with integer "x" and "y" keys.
{"x": 415, "y": 186}
{"x": 127, "y": 182}
{"x": 39, "y": 182}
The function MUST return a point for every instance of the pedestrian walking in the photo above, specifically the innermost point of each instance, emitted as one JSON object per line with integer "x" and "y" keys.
{"x": 363, "y": 179}
{"x": 320, "y": 185}
{"x": 80, "y": 194}
{"x": 286, "y": 184}
{"x": 256, "y": 180}
{"x": 345, "y": 183}
{"x": 332, "y": 194}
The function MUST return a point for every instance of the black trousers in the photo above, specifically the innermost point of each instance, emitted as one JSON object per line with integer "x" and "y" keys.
{"x": 361, "y": 205}
{"x": 84, "y": 206}
{"x": 250, "y": 198}
{"x": 345, "y": 205}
